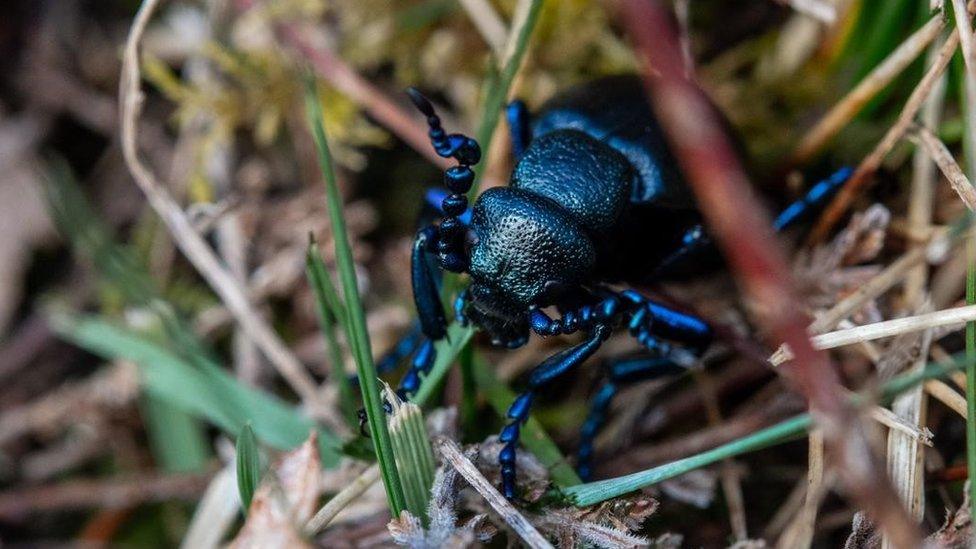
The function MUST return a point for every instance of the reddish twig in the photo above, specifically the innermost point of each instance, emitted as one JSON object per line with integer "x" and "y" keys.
{"x": 743, "y": 231}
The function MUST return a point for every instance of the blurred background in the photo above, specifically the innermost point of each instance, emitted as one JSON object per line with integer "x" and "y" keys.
{"x": 95, "y": 450}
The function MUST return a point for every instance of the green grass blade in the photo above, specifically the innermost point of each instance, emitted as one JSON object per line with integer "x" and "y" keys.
{"x": 204, "y": 390}
{"x": 248, "y": 465}
{"x": 594, "y": 492}
{"x": 177, "y": 439}
{"x": 318, "y": 278}
{"x": 533, "y": 437}
{"x": 498, "y": 88}
{"x": 355, "y": 316}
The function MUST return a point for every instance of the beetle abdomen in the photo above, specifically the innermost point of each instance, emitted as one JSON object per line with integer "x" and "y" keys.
{"x": 615, "y": 110}
{"x": 582, "y": 175}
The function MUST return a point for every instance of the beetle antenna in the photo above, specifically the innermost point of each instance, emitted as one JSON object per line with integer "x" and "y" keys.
{"x": 459, "y": 179}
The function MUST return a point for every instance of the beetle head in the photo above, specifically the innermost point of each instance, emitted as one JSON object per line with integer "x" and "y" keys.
{"x": 522, "y": 245}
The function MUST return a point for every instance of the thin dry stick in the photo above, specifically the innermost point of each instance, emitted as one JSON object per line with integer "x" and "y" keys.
{"x": 800, "y": 531}
{"x": 897, "y": 326}
{"x": 884, "y": 416}
{"x": 189, "y": 241}
{"x": 730, "y": 478}
{"x": 453, "y": 456}
{"x": 484, "y": 18}
{"x": 852, "y": 103}
{"x": 818, "y": 9}
{"x": 356, "y": 488}
{"x": 947, "y": 395}
{"x": 947, "y": 164}
{"x": 215, "y": 512}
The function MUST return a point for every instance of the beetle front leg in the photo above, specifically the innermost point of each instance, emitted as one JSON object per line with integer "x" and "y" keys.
{"x": 541, "y": 375}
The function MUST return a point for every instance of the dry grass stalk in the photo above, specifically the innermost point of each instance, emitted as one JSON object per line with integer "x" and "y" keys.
{"x": 847, "y": 108}
{"x": 884, "y": 416}
{"x": 947, "y": 164}
{"x": 485, "y": 18}
{"x": 947, "y": 395}
{"x": 215, "y": 512}
{"x": 189, "y": 240}
{"x": 822, "y": 11}
{"x": 865, "y": 170}
{"x": 452, "y": 455}
{"x": 800, "y": 532}
{"x": 898, "y": 326}
{"x": 339, "y": 502}
{"x": 731, "y": 486}
{"x": 905, "y": 455}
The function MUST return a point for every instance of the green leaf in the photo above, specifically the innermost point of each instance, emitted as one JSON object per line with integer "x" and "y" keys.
{"x": 330, "y": 309}
{"x": 177, "y": 439}
{"x": 248, "y": 465}
{"x": 200, "y": 388}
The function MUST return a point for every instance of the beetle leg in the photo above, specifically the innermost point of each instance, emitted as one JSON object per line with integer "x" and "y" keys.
{"x": 403, "y": 348}
{"x": 817, "y": 196}
{"x": 618, "y": 374}
{"x": 519, "y": 127}
{"x": 696, "y": 242}
{"x": 541, "y": 375}
{"x": 425, "y": 292}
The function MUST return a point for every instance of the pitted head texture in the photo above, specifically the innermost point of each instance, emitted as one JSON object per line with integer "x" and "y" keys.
{"x": 583, "y": 175}
{"x": 524, "y": 241}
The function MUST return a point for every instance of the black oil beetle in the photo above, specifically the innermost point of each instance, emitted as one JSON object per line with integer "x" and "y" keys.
{"x": 595, "y": 199}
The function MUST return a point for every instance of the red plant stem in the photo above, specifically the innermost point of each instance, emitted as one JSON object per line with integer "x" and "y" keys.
{"x": 743, "y": 230}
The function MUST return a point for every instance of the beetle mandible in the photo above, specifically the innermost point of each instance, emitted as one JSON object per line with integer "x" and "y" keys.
{"x": 595, "y": 198}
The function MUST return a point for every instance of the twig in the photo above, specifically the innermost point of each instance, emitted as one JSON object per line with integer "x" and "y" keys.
{"x": 356, "y": 488}
{"x": 947, "y": 395}
{"x": 731, "y": 485}
{"x": 189, "y": 241}
{"x": 852, "y": 103}
{"x": 743, "y": 232}
{"x": 897, "y": 326}
{"x": 800, "y": 531}
{"x": 947, "y": 164}
{"x": 452, "y": 455}
{"x": 818, "y": 9}
{"x": 106, "y": 494}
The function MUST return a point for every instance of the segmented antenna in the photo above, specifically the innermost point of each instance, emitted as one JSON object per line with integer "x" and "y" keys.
{"x": 458, "y": 179}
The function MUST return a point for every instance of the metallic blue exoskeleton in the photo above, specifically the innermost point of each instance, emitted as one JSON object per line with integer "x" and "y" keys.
{"x": 595, "y": 198}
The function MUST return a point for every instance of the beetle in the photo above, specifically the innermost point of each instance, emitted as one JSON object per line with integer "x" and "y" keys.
{"x": 595, "y": 201}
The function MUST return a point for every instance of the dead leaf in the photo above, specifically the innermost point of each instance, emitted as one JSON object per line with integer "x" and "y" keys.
{"x": 285, "y": 500}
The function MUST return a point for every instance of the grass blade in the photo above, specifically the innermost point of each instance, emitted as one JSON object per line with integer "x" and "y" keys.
{"x": 447, "y": 350}
{"x": 177, "y": 439}
{"x": 248, "y": 465}
{"x": 202, "y": 389}
{"x": 330, "y": 309}
{"x": 499, "y": 87}
{"x": 355, "y": 316}
{"x": 592, "y": 493}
